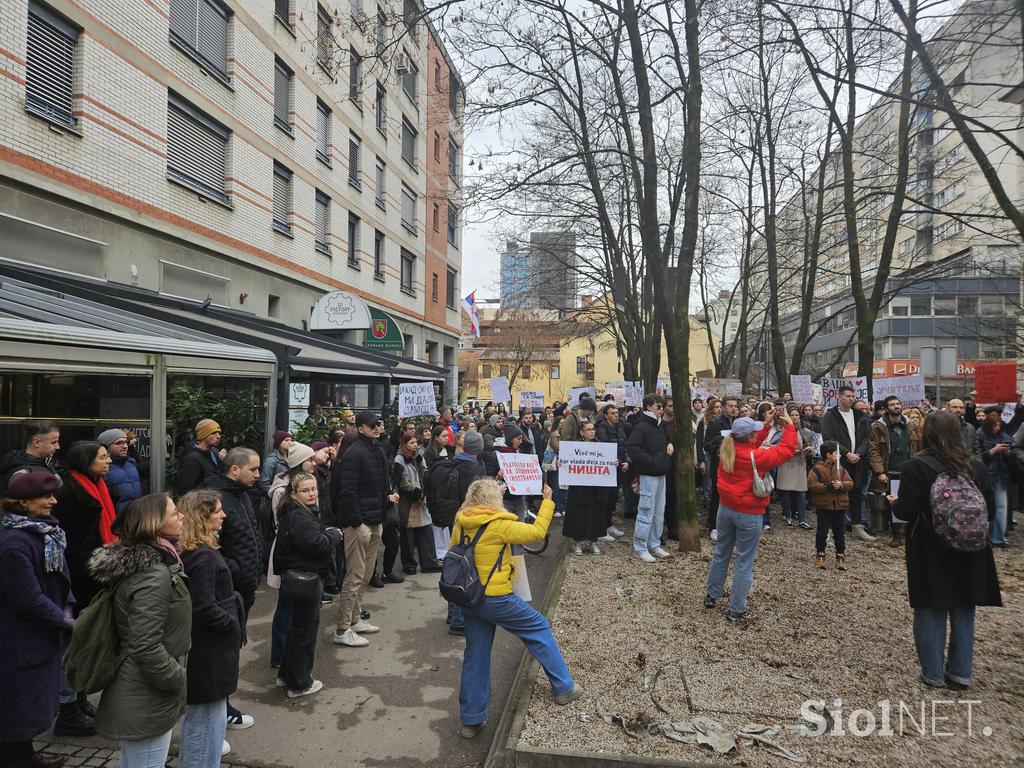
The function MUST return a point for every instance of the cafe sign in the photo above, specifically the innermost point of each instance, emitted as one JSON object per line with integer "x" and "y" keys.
{"x": 383, "y": 335}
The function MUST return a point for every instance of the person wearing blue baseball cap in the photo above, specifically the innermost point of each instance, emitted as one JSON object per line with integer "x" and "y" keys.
{"x": 741, "y": 507}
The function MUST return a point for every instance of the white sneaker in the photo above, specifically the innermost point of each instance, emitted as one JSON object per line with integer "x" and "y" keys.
{"x": 594, "y": 549}
{"x": 607, "y": 539}
{"x": 240, "y": 722}
{"x": 351, "y": 639}
{"x": 647, "y": 557}
{"x": 225, "y": 748}
{"x": 615, "y": 532}
{"x": 660, "y": 553}
{"x": 714, "y": 534}
{"x": 558, "y": 514}
{"x": 315, "y": 686}
{"x": 577, "y": 550}
{"x": 364, "y": 628}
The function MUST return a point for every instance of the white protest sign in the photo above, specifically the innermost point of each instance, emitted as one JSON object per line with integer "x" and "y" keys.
{"x": 531, "y": 398}
{"x": 1008, "y": 412}
{"x": 721, "y": 387}
{"x": 575, "y": 392}
{"x": 619, "y": 393}
{"x": 909, "y": 389}
{"x": 521, "y": 473}
{"x": 816, "y": 441}
{"x": 830, "y": 389}
{"x": 499, "y": 390}
{"x": 817, "y": 394}
{"x": 801, "y": 388}
{"x": 634, "y": 393}
{"x": 416, "y": 399}
{"x": 583, "y": 463}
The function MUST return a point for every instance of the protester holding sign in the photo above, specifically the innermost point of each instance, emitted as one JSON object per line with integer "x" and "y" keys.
{"x": 586, "y": 506}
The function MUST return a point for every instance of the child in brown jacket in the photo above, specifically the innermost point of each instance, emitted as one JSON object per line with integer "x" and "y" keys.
{"x": 829, "y": 485}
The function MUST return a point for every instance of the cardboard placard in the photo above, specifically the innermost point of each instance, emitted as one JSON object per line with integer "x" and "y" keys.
{"x": 721, "y": 387}
{"x": 499, "y": 390}
{"x": 830, "y": 389}
{"x": 575, "y": 392}
{"x": 996, "y": 382}
{"x": 634, "y": 393}
{"x": 521, "y": 473}
{"x": 909, "y": 389}
{"x": 416, "y": 399}
{"x": 583, "y": 463}
{"x": 1009, "y": 411}
{"x": 619, "y": 393}
{"x": 531, "y": 398}
{"x": 801, "y": 388}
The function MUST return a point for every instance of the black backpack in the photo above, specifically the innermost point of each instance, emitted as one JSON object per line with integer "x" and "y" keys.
{"x": 460, "y": 583}
{"x": 441, "y": 487}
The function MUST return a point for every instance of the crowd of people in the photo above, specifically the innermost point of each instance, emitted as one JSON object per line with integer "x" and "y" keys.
{"x": 362, "y": 508}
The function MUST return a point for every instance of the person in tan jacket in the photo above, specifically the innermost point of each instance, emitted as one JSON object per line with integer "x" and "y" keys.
{"x": 829, "y": 485}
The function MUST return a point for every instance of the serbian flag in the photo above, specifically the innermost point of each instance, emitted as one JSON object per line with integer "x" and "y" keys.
{"x": 469, "y": 304}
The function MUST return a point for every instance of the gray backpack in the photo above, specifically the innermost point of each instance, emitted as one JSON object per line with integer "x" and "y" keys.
{"x": 959, "y": 512}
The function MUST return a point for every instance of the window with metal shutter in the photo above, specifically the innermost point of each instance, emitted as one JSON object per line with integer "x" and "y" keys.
{"x": 408, "y": 209}
{"x": 322, "y": 224}
{"x": 50, "y": 65}
{"x": 408, "y": 271}
{"x": 200, "y": 28}
{"x": 282, "y": 9}
{"x": 282, "y": 96}
{"x": 353, "y": 240}
{"x": 197, "y": 148}
{"x": 282, "y": 198}
{"x": 408, "y": 142}
{"x": 355, "y": 161}
{"x": 323, "y": 132}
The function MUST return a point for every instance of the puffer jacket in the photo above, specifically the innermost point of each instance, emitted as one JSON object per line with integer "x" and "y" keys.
{"x": 504, "y": 529}
{"x": 646, "y": 446}
{"x": 153, "y": 624}
{"x": 363, "y": 485}
{"x": 241, "y": 543}
{"x": 123, "y": 481}
{"x": 736, "y": 489}
{"x": 195, "y": 466}
{"x": 823, "y": 495}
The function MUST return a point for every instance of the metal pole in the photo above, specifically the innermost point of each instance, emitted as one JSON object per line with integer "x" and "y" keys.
{"x": 158, "y": 424}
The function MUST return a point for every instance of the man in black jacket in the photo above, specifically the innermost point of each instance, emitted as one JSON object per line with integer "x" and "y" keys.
{"x": 712, "y": 442}
{"x": 651, "y": 454}
{"x": 364, "y": 492}
{"x": 851, "y": 429}
{"x": 41, "y": 440}
{"x": 202, "y": 459}
{"x": 609, "y": 430}
{"x": 241, "y": 542}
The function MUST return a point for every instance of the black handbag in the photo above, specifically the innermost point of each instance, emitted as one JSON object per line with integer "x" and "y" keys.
{"x": 302, "y": 586}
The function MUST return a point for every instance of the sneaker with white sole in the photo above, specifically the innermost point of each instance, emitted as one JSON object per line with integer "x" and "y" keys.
{"x": 607, "y": 539}
{"x": 714, "y": 534}
{"x": 577, "y": 550}
{"x": 280, "y": 683}
{"x": 240, "y": 722}
{"x": 225, "y": 748}
{"x": 351, "y": 639}
{"x": 615, "y": 532}
{"x": 364, "y": 628}
{"x": 594, "y": 549}
{"x": 571, "y": 696}
{"x": 315, "y": 686}
{"x": 647, "y": 557}
{"x": 660, "y": 553}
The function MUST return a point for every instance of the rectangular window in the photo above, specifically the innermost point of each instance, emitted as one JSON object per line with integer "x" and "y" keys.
{"x": 323, "y": 133}
{"x": 411, "y": 16}
{"x": 526, "y": 372}
{"x": 381, "y": 188}
{"x": 378, "y": 255}
{"x": 920, "y": 306}
{"x": 437, "y": 146}
{"x": 408, "y": 272}
{"x": 382, "y": 29}
{"x": 967, "y": 306}
{"x": 325, "y": 42}
{"x": 556, "y": 371}
{"x": 485, "y": 371}
{"x": 503, "y": 370}
{"x": 437, "y": 75}
{"x": 322, "y": 223}
{"x": 454, "y": 91}
{"x": 436, "y": 217}
{"x": 355, "y": 75}
{"x": 408, "y": 142}
{"x": 197, "y": 149}
{"x": 283, "y": 79}
{"x": 355, "y": 161}
{"x": 382, "y": 110}
{"x": 449, "y": 290}
{"x": 950, "y": 193}
{"x": 409, "y": 78}
{"x": 50, "y": 65}
{"x": 581, "y": 364}
{"x": 990, "y": 306}
{"x": 282, "y": 199}
{"x": 948, "y": 229}
{"x": 200, "y": 29}
{"x": 453, "y": 224}
{"x": 906, "y": 248}
{"x": 435, "y": 288}
{"x": 273, "y": 305}
{"x": 408, "y": 209}
{"x": 453, "y": 160}
{"x": 282, "y": 10}
{"x": 944, "y": 306}
{"x": 353, "y": 240}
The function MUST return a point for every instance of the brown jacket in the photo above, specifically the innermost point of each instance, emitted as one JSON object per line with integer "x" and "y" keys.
{"x": 878, "y": 449}
{"x": 819, "y": 484}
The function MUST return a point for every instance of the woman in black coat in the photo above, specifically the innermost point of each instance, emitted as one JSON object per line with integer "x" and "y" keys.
{"x": 943, "y": 584}
{"x": 303, "y": 545}
{"x": 35, "y": 614}
{"x": 217, "y": 612}
{"x": 586, "y": 507}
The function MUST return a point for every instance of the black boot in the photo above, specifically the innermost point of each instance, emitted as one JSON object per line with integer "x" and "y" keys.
{"x": 72, "y": 721}
{"x": 85, "y": 707}
{"x": 376, "y": 581}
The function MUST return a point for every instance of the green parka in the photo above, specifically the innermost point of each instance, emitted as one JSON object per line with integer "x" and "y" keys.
{"x": 153, "y": 624}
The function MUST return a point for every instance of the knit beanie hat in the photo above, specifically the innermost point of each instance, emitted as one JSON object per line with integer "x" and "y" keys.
{"x": 494, "y": 419}
{"x": 587, "y": 404}
{"x": 473, "y": 443}
{"x": 297, "y": 454}
{"x": 111, "y": 436}
{"x": 510, "y": 433}
{"x": 279, "y": 437}
{"x": 205, "y": 428}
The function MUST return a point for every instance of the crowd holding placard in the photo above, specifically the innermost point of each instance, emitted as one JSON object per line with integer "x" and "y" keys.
{"x": 322, "y": 523}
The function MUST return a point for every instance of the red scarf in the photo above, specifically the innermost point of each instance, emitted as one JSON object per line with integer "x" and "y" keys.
{"x": 98, "y": 490}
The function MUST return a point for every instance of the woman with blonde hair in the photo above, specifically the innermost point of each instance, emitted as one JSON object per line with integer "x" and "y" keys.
{"x": 483, "y": 518}
{"x": 216, "y": 632}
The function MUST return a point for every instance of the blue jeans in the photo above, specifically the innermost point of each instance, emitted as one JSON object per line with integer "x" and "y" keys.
{"x": 930, "y": 641}
{"x": 997, "y": 528}
{"x": 202, "y": 733}
{"x": 650, "y": 514}
{"x": 794, "y": 505}
{"x": 148, "y": 753}
{"x": 279, "y": 629}
{"x": 523, "y": 621}
{"x": 455, "y": 617}
{"x": 742, "y": 531}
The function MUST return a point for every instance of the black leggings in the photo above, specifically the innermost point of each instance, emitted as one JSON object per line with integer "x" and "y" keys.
{"x": 836, "y": 520}
{"x": 300, "y": 646}
{"x": 390, "y": 536}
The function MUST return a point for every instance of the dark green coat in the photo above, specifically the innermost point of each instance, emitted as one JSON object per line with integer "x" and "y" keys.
{"x": 153, "y": 623}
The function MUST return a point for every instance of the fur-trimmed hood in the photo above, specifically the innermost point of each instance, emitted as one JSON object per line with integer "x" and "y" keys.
{"x": 114, "y": 562}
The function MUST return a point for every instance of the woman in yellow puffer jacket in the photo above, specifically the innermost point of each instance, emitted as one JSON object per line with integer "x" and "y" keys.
{"x": 500, "y": 607}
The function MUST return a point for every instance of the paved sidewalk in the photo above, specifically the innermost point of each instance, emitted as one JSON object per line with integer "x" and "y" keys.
{"x": 392, "y": 703}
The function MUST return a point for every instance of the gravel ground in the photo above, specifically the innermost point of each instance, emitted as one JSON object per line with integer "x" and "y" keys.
{"x": 820, "y": 635}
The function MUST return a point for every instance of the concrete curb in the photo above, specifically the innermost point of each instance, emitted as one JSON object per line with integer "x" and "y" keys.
{"x": 531, "y": 757}
{"x": 510, "y": 724}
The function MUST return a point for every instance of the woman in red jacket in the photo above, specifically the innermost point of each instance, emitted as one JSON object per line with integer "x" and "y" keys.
{"x": 740, "y": 511}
